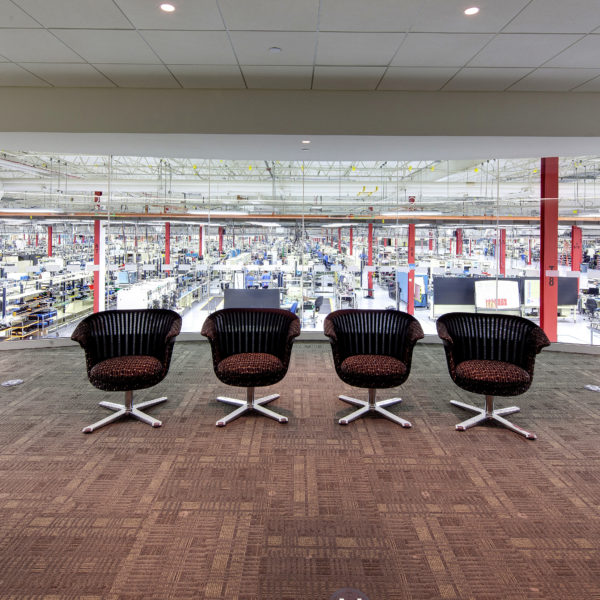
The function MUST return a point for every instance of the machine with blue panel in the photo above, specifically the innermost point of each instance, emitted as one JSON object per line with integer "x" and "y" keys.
{"x": 421, "y": 284}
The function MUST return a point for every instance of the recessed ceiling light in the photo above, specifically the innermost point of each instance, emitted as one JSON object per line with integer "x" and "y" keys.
{"x": 306, "y": 141}
{"x": 304, "y": 148}
{"x": 166, "y": 7}
{"x": 472, "y": 11}
{"x": 274, "y": 49}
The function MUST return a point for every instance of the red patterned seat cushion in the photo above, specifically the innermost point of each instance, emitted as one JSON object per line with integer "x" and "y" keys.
{"x": 492, "y": 377}
{"x": 126, "y": 373}
{"x": 373, "y": 371}
{"x": 250, "y": 369}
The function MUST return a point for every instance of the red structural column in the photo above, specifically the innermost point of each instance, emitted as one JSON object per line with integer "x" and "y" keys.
{"x": 502, "y": 253}
{"x": 431, "y": 240}
{"x": 37, "y": 240}
{"x": 59, "y": 239}
{"x": 459, "y": 242}
{"x": 340, "y": 240}
{"x": 549, "y": 247}
{"x": 350, "y": 240}
{"x": 576, "y": 248}
{"x": 200, "y": 233}
{"x": 220, "y": 240}
{"x": 410, "y": 302}
{"x": 97, "y": 234}
{"x": 49, "y": 240}
{"x": 370, "y": 261}
{"x": 168, "y": 244}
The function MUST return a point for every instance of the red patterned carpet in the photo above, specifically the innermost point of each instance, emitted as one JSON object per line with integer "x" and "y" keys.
{"x": 263, "y": 511}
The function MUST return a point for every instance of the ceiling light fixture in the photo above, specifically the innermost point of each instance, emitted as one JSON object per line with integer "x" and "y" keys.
{"x": 306, "y": 141}
{"x": 471, "y": 11}
{"x": 166, "y": 7}
{"x": 274, "y": 50}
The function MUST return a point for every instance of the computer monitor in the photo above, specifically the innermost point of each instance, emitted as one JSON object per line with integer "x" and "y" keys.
{"x": 593, "y": 291}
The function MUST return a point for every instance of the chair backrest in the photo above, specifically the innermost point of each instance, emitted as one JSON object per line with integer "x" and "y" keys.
{"x": 241, "y": 330}
{"x": 482, "y": 336}
{"x": 318, "y": 302}
{"x": 363, "y": 331}
{"x": 134, "y": 332}
{"x": 294, "y": 307}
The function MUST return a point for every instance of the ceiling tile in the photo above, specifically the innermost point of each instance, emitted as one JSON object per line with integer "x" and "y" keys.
{"x": 34, "y": 45}
{"x": 14, "y": 75}
{"x": 448, "y": 16}
{"x": 69, "y": 74}
{"x": 357, "y": 48}
{"x": 139, "y": 76}
{"x": 522, "y": 50}
{"x": 88, "y": 14}
{"x": 358, "y": 15}
{"x": 108, "y": 46}
{"x": 583, "y": 54}
{"x": 189, "y": 15}
{"x": 416, "y": 78}
{"x": 554, "y": 80}
{"x": 191, "y": 47}
{"x": 484, "y": 79}
{"x": 278, "y": 78}
{"x": 264, "y": 15}
{"x": 208, "y": 76}
{"x": 12, "y": 16}
{"x": 416, "y": 15}
{"x": 439, "y": 49}
{"x": 557, "y": 16}
{"x": 590, "y": 86}
{"x": 347, "y": 78}
{"x": 252, "y": 47}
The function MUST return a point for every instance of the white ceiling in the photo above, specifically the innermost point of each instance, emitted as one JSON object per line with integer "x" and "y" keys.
{"x": 426, "y": 45}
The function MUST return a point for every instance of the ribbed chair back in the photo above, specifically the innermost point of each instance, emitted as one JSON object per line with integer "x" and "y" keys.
{"x": 242, "y": 330}
{"x": 384, "y": 332}
{"x": 134, "y": 332}
{"x": 480, "y": 336}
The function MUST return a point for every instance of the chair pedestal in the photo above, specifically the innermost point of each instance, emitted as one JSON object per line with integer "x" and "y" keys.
{"x": 489, "y": 414}
{"x": 371, "y": 405}
{"x": 251, "y": 403}
{"x": 127, "y": 409}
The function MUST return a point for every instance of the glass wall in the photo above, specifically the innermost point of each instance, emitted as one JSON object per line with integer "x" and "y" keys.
{"x": 197, "y": 235}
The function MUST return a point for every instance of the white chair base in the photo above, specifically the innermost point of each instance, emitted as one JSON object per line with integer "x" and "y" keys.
{"x": 489, "y": 414}
{"x": 371, "y": 405}
{"x": 127, "y": 410}
{"x": 251, "y": 403}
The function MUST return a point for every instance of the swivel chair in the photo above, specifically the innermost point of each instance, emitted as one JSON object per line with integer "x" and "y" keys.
{"x": 493, "y": 355}
{"x": 127, "y": 350}
{"x": 372, "y": 349}
{"x": 251, "y": 347}
{"x": 591, "y": 306}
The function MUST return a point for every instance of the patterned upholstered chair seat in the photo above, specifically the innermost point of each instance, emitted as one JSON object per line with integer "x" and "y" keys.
{"x": 494, "y": 355}
{"x": 372, "y": 349}
{"x": 480, "y": 375}
{"x": 251, "y": 347}
{"x": 126, "y": 373}
{"x": 127, "y": 350}
{"x": 373, "y": 370}
{"x": 251, "y": 369}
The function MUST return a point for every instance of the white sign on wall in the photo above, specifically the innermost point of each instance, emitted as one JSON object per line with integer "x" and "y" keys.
{"x": 501, "y": 294}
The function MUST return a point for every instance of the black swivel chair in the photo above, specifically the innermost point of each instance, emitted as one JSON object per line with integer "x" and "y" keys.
{"x": 251, "y": 348}
{"x": 128, "y": 350}
{"x": 591, "y": 306}
{"x": 372, "y": 349}
{"x": 493, "y": 355}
